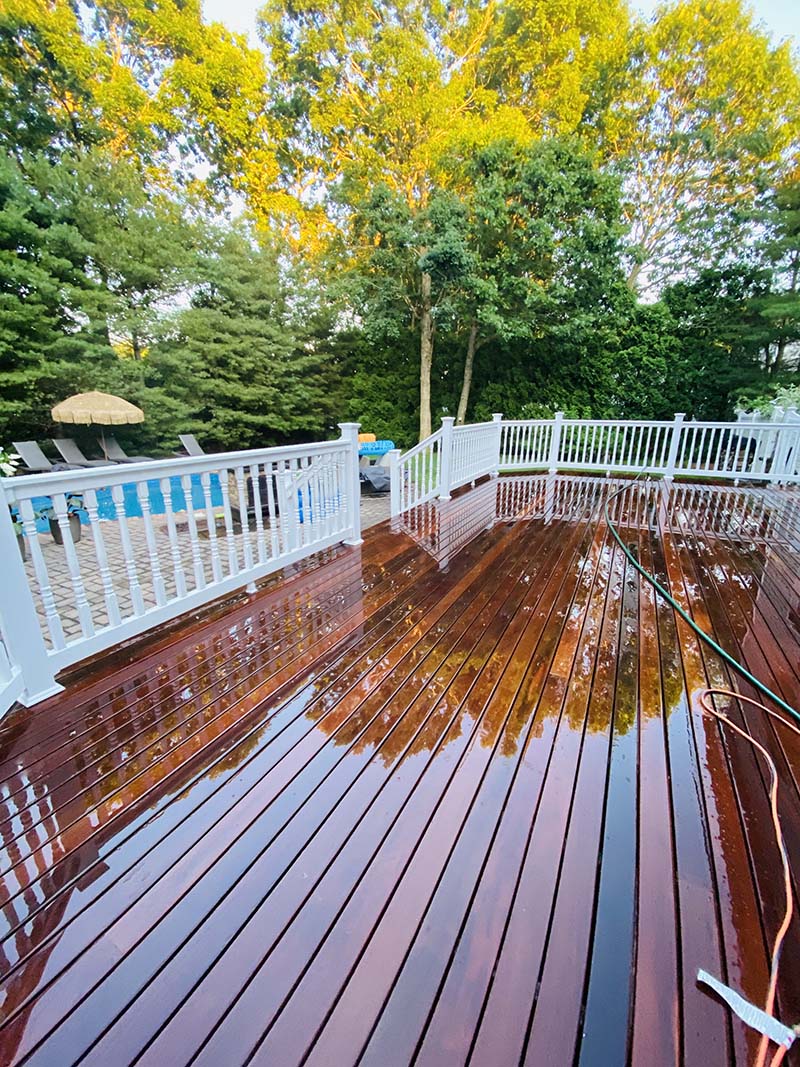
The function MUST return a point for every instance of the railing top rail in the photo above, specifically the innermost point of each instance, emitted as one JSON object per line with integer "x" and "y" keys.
{"x": 527, "y": 422}
{"x": 27, "y": 485}
{"x": 474, "y": 426}
{"x": 739, "y": 426}
{"x": 616, "y": 422}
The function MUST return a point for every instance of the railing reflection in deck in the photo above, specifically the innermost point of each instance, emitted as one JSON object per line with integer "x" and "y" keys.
{"x": 170, "y": 734}
{"x": 443, "y": 527}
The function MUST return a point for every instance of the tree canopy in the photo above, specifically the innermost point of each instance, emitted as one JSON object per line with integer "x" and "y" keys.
{"x": 394, "y": 212}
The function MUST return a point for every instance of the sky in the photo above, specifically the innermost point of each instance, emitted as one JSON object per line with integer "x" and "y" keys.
{"x": 780, "y": 17}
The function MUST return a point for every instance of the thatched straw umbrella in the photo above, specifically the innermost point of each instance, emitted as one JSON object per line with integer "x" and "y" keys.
{"x": 97, "y": 409}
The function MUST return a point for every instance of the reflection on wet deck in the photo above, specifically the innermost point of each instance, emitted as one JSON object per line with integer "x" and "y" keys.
{"x": 448, "y": 798}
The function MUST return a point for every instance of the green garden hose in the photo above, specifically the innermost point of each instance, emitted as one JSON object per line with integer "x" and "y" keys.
{"x": 743, "y": 671}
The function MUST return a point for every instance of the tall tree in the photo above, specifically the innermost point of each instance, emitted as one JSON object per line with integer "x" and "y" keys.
{"x": 699, "y": 126}
{"x": 543, "y": 234}
{"x": 720, "y": 337}
{"x": 376, "y": 96}
{"x": 409, "y": 268}
{"x": 254, "y": 382}
{"x": 142, "y": 242}
{"x": 49, "y": 308}
{"x": 780, "y": 252}
{"x": 149, "y": 80}
{"x": 559, "y": 62}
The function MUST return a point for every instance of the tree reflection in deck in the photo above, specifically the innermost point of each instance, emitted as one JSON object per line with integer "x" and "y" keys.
{"x": 448, "y": 798}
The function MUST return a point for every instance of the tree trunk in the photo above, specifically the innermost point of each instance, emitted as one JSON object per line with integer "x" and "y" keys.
{"x": 779, "y": 354}
{"x": 425, "y": 358}
{"x": 472, "y": 344}
{"x": 632, "y": 280}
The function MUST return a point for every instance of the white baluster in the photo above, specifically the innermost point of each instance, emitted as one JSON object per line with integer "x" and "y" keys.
{"x": 288, "y": 507}
{"x": 609, "y": 432}
{"x": 728, "y": 461}
{"x": 106, "y": 577}
{"x": 328, "y": 489}
{"x": 159, "y": 588}
{"x": 273, "y": 505}
{"x": 245, "y": 520}
{"x": 233, "y": 555}
{"x": 324, "y": 478}
{"x": 74, "y": 567}
{"x": 258, "y": 505}
{"x": 42, "y": 576}
{"x": 706, "y": 437}
{"x": 300, "y": 494}
{"x": 216, "y": 564}
{"x": 194, "y": 539}
{"x": 137, "y": 601}
{"x": 720, "y": 434}
{"x": 174, "y": 546}
{"x": 320, "y": 510}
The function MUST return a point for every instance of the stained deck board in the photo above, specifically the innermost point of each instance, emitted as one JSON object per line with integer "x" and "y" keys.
{"x": 384, "y": 812}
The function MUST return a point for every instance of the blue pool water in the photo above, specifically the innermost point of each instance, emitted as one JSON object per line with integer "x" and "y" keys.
{"x": 106, "y": 508}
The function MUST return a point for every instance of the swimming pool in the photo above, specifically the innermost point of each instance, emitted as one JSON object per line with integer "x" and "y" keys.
{"x": 106, "y": 508}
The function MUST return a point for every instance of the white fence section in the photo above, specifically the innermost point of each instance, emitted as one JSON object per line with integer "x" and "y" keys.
{"x": 142, "y": 543}
{"x": 416, "y": 476}
{"x": 475, "y": 451}
{"x": 453, "y": 456}
{"x": 525, "y": 445}
{"x": 614, "y": 445}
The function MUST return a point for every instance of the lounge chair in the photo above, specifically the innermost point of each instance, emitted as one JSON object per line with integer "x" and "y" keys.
{"x": 117, "y": 454}
{"x": 36, "y": 462}
{"x": 72, "y": 454}
{"x": 191, "y": 444}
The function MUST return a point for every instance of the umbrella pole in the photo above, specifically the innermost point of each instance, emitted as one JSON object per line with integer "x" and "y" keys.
{"x": 103, "y": 442}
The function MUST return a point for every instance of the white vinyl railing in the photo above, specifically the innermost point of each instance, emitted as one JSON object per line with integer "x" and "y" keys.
{"x": 765, "y": 451}
{"x": 475, "y": 451}
{"x": 614, "y": 445}
{"x": 142, "y": 543}
{"x": 525, "y": 445}
{"x": 451, "y": 457}
{"x": 416, "y": 476}
{"x": 11, "y": 680}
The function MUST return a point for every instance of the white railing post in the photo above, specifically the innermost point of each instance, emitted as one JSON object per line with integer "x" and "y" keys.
{"x": 674, "y": 442}
{"x": 497, "y": 419}
{"x": 394, "y": 482}
{"x": 785, "y": 455}
{"x": 446, "y": 466}
{"x": 350, "y": 435}
{"x": 555, "y": 441}
{"x": 22, "y": 633}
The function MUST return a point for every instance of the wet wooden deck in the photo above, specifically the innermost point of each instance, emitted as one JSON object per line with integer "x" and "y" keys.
{"x": 448, "y": 798}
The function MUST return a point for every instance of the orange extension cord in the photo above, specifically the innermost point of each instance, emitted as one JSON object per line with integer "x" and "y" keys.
{"x": 705, "y": 699}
